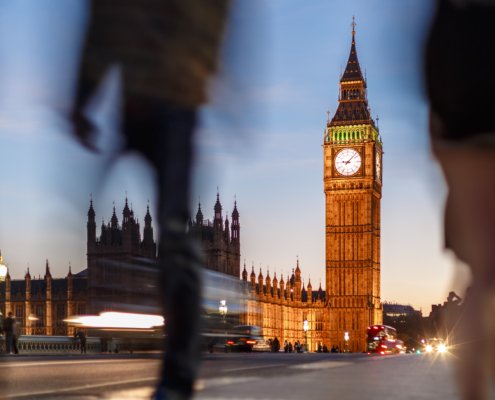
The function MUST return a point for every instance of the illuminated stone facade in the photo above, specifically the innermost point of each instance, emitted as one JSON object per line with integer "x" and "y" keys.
{"x": 281, "y": 307}
{"x": 40, "y": 304}
{"x": 352, "y": 185}
{"x": 353, "y": 191}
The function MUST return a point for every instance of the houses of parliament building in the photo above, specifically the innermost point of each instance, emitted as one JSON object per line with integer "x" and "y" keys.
{"x": 282, "y": 305}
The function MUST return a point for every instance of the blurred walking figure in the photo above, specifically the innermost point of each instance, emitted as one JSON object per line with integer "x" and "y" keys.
{"x": 460, "y": 85}
{"x": 8, "y": 328}
{"x": 166, "y": 51}
{"x": 82, "y": 340}
{"x": 16, "y": 333}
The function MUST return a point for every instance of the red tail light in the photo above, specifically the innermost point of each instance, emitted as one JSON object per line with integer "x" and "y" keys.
{"x": 230, "y": 342}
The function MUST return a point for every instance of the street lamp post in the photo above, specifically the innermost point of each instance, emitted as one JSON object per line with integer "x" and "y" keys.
{"x": 306, "y": 328}
{"x": 346, "y": 340}
{"x": 222, "y": 309}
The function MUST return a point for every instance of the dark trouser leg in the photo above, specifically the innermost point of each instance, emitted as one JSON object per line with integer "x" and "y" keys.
{"x": 179, "y": 256}
{"x": 9, "y": 339}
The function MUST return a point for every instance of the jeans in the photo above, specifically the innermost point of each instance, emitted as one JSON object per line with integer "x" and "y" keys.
{"x": 163, "y": 134}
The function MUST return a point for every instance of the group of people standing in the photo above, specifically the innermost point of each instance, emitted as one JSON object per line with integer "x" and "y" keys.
{"x": 11, "y": 330}
{"x": 297, "y": 347}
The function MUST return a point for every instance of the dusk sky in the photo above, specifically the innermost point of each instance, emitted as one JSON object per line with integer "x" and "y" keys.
{"x": 286, "y": 56}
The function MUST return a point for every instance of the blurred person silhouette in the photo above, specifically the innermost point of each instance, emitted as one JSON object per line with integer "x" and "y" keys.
{"x": 81, "y": 336}
{"x": 16, "y": 333}
{"x": 460, "y": 85}
{"x": 166, "y": 51}
{"x": 8, "y": 328}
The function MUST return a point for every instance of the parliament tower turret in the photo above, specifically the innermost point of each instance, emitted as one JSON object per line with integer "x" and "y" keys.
{"x": 353, "y": 191}
{"x": 220, "y": 239}
{"x": 111, "y": 257}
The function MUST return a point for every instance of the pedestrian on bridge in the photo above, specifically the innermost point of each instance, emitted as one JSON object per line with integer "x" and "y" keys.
{"x": 16, "y": 332}
{"x": 8, "y": 328}
{"x": 81, "y": 336}
{"x": 166, "y": 51}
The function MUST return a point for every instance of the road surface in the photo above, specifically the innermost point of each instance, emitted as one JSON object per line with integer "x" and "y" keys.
{"x": 233, "y": 376}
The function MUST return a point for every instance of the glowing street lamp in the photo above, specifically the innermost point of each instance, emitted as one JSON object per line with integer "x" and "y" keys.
{"x": 222, "y": 309}
{"x": 346, "y": 340}
{"x": 306, "y": 329}
{"x": 3, "y": 269}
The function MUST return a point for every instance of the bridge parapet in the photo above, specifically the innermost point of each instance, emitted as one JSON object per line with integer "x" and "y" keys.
{"x": 37, "y": 344}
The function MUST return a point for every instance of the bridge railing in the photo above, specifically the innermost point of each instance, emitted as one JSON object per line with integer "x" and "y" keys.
{"x": 38, "y": 344}
{"x": 52, "y": 344}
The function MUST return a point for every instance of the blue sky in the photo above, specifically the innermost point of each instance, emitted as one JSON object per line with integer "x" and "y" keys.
{"x": 285, "y": 58}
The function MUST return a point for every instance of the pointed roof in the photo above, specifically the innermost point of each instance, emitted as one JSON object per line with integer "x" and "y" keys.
{"x": 47, "y": 269}
{"x": 352, "y": 70}
{"x": 218, "y": 206}
{"x": 91, "y": 211}
{"x": 298, "y": 270}
{"x": 114, "y": 220}
{"x": 235, "y": 213}
{"x": 147, "y": 217}
{"x": 199, "y": 214}
{"x": 353, "y": 104}
{"x": 126, "y": 212}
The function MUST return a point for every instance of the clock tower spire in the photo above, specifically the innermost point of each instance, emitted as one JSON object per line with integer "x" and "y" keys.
{"x": 352, "y": 185}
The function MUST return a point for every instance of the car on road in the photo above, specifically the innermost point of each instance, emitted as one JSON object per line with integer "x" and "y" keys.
{"x": 246, "y": 338}
{"x": 435, "y": 345}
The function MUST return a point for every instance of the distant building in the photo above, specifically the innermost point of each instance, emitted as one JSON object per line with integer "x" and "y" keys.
{"x": 41, "y": 304}
{"x": 408, "y": 322}
{"x": 121, "y": 265}
{"x": 396, "y": 313}
{"x": 121, "y": 271}
{"x": 282, "y": 307}
{"x": 220, "y": 239}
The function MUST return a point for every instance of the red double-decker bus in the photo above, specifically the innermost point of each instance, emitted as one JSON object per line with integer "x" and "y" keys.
{"x": 382, "y": 339}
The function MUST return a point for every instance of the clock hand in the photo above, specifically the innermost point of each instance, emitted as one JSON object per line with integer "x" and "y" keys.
{"x": 349, "y": 160}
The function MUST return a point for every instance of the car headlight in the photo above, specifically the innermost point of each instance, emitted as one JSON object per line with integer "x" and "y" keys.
{"x": 442, "y": 348}
{"x": 429, "y": 348}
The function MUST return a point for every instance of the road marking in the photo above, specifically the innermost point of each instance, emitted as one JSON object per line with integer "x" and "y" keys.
{"x": 322, "y": 365}
{"x": 65, "y": 362}
{"x": 254, "y": 367}
{"x": 143, "y": 393}
{"x": 236, "y": 398}
{"x": 202, "y": 384}
{"x": 80, "y": 388}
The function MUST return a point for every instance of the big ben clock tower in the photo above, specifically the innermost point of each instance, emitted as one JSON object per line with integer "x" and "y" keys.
{"x": 353, "y": 191}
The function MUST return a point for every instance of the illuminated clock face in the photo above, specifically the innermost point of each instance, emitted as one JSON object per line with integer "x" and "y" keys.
{"x": 347, "y": 162}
